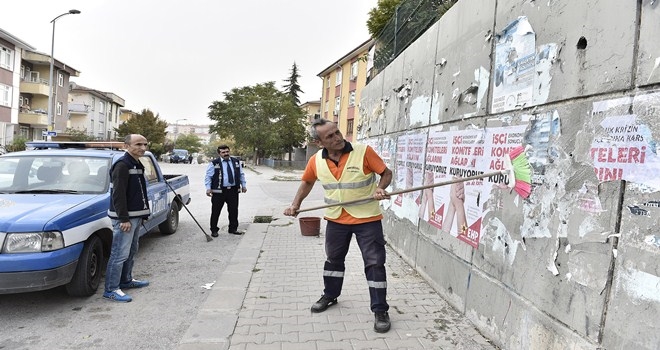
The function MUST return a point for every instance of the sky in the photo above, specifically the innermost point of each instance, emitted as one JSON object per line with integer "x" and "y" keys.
{"x": 177, "y": 57}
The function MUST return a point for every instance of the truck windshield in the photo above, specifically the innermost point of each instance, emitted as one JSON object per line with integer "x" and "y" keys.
{"x": 53, "y": 174}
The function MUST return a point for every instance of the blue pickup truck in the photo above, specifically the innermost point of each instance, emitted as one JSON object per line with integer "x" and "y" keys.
{"x": 54, "y": 225}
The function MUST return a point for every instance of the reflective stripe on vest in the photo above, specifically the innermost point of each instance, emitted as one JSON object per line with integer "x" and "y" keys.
{"x": 352, "y": 184}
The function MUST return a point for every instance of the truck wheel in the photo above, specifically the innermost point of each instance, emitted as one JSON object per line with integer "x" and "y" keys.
{"x": 88, "y": 273}
{"x": 170, "y": 225}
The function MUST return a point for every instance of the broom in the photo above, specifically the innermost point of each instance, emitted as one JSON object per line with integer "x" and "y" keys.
{"x": 517, "y": 169}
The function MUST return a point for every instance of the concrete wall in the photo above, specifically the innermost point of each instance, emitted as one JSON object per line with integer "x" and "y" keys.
{"x": 577, "y": 263}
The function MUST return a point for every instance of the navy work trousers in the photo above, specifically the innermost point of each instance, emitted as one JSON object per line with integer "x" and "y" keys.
{"x": 371, "y": 241}
{"x": 218, "y": 200}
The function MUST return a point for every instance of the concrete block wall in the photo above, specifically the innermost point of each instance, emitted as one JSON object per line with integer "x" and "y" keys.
{"x": 576, "y": 265}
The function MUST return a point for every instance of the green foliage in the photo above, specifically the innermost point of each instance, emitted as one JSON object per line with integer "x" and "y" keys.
{"x": 445, "y": 6}
{"x": 157, "y": 149}
{"x": 145, "y": 123}
{"x": 414, "y": 18}
{"x": 191, "y": 142}
{"x": 79, "y": 135}
{"x": 259, "y": 117}
{"x": 380, "y": 15}
{"x": 18, "y": 144}
{"x": 292, "y": 88}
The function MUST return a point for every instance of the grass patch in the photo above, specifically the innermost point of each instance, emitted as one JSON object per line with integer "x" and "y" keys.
{"x": 262, "y": 219}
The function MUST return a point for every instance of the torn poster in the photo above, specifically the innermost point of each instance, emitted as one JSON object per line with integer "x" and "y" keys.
{"x": 515, "y": 59}
{"x": 628, "y": 152}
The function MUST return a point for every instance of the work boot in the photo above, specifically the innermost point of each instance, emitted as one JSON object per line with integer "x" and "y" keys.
{"x": 323, "y": 304}
{"x": 382, "y": 322}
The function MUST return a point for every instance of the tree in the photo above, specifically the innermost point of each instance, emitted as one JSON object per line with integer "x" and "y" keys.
{"x": 292, "y": 88}
{"x": 146, "y": 124}
{"x": 380, "y": 15}
{"x": 78, "y": 135}
{"x": 259, "y": 118}
{"x": 191, "y": 142}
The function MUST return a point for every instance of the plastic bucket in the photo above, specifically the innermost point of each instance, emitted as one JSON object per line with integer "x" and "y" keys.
{"x": 310, "y": 225}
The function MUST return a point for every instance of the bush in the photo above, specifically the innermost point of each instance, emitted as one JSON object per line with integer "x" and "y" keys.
{"x": 17, "y": 145}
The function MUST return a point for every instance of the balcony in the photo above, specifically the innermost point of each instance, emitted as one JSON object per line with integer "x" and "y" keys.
{"x": 78, "y": 109}
{"x": 34, "y": 86}
{"x": 34, "y": 118}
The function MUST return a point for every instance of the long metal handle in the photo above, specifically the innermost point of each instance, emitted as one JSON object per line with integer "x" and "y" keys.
{"x": 448, "y": 182}
{"x": 208, "y": 238}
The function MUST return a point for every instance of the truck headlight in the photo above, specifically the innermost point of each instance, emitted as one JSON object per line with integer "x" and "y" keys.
{"x": 33, "y": 242}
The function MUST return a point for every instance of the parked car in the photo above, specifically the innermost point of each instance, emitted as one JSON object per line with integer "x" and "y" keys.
{"x": 54, "y": 224}
{"x": 179, "y": 156}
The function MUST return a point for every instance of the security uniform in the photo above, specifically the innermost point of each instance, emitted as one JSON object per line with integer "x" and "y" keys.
{"x": 225, "y": 194}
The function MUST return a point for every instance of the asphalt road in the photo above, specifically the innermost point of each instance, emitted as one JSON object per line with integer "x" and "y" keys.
{"x": 177, "y": 266}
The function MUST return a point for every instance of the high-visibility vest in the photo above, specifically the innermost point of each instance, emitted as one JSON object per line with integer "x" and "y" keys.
{"x": 352, "y": 184}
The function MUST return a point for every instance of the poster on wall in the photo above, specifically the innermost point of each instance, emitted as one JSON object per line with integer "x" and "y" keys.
{"x": 400, "y": 168}
{"x": 515, "y": 59}
{"x": 458, "y": 209}
{"x": 627, "y": 153}
{"x": 542, "y": 128}
{"x": 409, "y": 171}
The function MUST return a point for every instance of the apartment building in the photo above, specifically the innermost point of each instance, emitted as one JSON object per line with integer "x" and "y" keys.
{"x": 95, "y": 112}
{"x": 125, "y": 114}
{"x": 343, "y": 81}
{"x": 312, "y": 110}
{"x": 176, "y": 130}
{"x": 11, "y": 71}
{"x": 35, "y": 75}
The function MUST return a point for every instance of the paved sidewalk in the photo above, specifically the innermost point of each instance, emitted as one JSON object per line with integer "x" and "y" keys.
{"x": 262, "y": 301}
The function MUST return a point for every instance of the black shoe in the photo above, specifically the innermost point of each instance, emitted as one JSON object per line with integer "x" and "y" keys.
{"x": 323, "y": 304}
{"x": 237, "y": 232}
{"x": 382, "y": 323}
{"x": 214, "y": 234}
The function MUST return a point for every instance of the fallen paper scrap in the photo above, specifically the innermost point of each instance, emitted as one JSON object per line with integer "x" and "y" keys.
{"x": 208, "y": 285}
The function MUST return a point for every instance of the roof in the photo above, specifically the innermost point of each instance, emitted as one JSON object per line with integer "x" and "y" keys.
{"x": 349, "y": 56}
{"x": 14, "y": 40}
{"x": 74, "y": 87}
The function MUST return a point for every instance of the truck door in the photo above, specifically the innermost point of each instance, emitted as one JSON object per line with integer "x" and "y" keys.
{"x": 156, "y": 191}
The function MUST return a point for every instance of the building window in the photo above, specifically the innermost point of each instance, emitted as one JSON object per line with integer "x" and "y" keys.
{"x": 338, "y": 77}
{"x": 59, "y": 108}
{"x": 337, "y": 103}
{"x": 60, "y": 79}
{"x": 327, "y": 82}
{"x": 6, "y": 56}
{"x": 354, "y": 70}
{"x": 5, "y": 95}
{"x": 93, "y": 102}
{"x": 101, "y": 107}
{"x": 349, "y": 127}
{"x": 351, "y": 99}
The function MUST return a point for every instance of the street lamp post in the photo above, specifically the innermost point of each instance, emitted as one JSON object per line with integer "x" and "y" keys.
{"x": 176, "y": 131}
{"x": 51, "y": 120}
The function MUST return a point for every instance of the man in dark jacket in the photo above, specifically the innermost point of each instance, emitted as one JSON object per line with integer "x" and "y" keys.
{"x": 129, "y": 205}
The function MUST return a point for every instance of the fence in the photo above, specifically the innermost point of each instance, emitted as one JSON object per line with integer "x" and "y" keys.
{"x": 411, "y": 19}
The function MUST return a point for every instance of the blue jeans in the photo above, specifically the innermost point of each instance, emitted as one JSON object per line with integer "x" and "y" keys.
{"x": 123, "y": 250}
